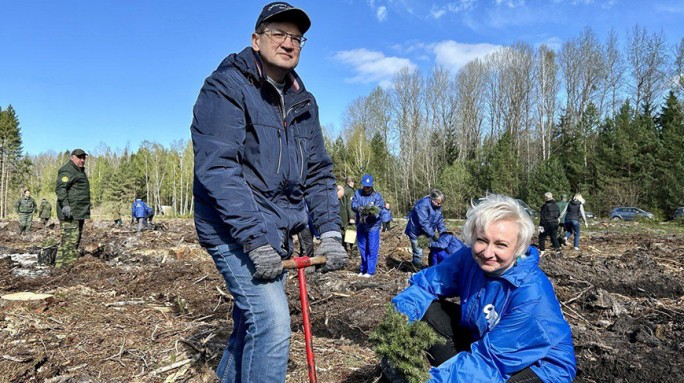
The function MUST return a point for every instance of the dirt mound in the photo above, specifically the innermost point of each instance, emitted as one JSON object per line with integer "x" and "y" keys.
{"x": 153, "y": 308}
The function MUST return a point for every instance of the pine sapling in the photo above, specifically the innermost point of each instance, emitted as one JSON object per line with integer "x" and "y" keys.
{"x": 405, "y": 344}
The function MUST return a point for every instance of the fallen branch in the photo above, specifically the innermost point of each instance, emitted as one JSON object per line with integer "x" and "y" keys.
{"x": 224, "y": 294}
{"x": 15, "y": 359}
{"x": 124, "y": 303}
{"x": 174, "y": 366}
{"x": 576, "y": 297}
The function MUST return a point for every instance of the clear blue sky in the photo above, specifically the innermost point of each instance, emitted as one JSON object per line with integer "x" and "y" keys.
{"x": 84, "y": 72}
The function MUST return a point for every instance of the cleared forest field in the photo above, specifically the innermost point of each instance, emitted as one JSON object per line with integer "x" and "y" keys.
{"x": 153, "y": 308}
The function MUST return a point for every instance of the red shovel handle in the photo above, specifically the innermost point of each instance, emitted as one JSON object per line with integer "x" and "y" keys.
{"x": 301, "y": 262}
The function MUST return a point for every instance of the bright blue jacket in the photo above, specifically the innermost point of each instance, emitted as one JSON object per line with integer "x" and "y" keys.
{"x": 369, "y": 222}
{"x": 255, "y": 170}
{"x": 385, "y": 215}
{"x": 139, "y": 209}
{"x": 515, "y": 319}
{"x": 443, "y": 247}
{"x": 424, "y": 219}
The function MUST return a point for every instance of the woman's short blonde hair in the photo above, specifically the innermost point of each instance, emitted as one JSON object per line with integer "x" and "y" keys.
{"x": 579, "y": 198}
{"x": 494, "y": 208}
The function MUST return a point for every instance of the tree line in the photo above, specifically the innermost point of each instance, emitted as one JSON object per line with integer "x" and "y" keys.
{"x": 603, "y": 118}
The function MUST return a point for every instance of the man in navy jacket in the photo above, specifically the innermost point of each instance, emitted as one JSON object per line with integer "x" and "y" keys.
{"x": 260, "y": 160}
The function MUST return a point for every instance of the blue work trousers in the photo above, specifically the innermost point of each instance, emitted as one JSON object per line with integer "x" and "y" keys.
{"x": 369, "y": 246}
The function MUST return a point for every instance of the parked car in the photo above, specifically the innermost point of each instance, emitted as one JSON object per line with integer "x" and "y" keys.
{"x": 629, "y": 214}
{"x": 531, "y": 212}
{"x": 679, "y": 213}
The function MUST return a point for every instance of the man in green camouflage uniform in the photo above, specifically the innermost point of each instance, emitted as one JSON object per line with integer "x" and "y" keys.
{"x": 45, "y": 212}
{"x": 73, "y": 206}
{"x": 26, "y": 206}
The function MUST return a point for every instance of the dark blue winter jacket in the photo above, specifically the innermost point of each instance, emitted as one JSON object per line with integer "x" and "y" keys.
{"x": 367, "y": 222}
{"x": 139, "y": 209}
{"x": 254, "y": 169}
{"x": 515, "y": 319}
{"x": 424, "y": 219}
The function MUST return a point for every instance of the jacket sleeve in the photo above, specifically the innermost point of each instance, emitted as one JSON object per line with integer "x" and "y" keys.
{"x": 321, "y": 191}
{"x": 423, "y": 212}
{"x": 429, "y": 284}
{"x": 441, "y": 226}
{"x": 18, "y": 204}
{"x": 355, "y": 204}
{"x": 61, "y": 187}
{"x": 584, "y": 216}
{"x": 517, "y": 341}
{"x": 218, "y": 134}
{"x": 350, "y": 212}
{"x": 379, "y": 202}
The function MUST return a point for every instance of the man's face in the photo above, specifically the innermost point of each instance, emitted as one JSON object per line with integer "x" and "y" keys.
{"x": 278, "y": 58}
{"x": 436, "y": 202}
{"x": 79, "y": 161}
{"x": 27, "y": 194}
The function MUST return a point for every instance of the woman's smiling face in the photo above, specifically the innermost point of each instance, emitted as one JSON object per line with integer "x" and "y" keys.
{"x": 494, "y": 247}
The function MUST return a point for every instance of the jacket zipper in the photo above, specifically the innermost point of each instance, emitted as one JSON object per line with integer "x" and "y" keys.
{"x": 280, "y": 151}
{"x": 301, "y": 153}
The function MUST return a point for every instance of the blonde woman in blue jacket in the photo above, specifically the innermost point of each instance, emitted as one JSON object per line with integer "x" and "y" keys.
{"x": 509, "y": 326}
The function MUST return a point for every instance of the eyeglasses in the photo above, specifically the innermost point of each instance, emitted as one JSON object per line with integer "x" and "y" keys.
{"x": 279, "y": 37}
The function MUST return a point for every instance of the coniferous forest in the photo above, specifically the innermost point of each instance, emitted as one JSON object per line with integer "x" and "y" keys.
{"x": 602, "y": 116}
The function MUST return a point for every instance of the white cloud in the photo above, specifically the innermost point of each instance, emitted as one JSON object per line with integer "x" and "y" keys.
{"x": 454, "y": 55}
{"x": 554, "y": 43}
{"x": 381, "y": 13}
{"x": 511, "y": 3}
{"x": 437, "y": 12}
{"x": 373, "y": 66}
{"x": 454, "y": 7}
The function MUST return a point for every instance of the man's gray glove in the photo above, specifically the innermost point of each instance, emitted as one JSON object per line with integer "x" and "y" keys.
{"x": 267, "y": 262}
{"x": 331, "y": 248}
{"x": 66, "y": 212}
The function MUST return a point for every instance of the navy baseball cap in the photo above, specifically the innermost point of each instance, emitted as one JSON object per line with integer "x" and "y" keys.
{"x": 282, "y": 11}
{"x": 367, "y": 180}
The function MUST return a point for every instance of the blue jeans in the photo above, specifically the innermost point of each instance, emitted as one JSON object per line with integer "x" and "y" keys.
{"x": 570, "y": 228}
{"x": 259, "y": 344}
{"x": 417, "y": 251}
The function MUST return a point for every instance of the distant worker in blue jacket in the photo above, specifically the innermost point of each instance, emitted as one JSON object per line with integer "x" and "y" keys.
{"x": 509, "y": 326}
{"x": 445, "y": 245}
{"x": 368, "y": 203}
{"x": 386, "y": 217}
{"x": 425, "y": 219}
{"x": 139, "y": 211}
{"x": 260, "y": 159}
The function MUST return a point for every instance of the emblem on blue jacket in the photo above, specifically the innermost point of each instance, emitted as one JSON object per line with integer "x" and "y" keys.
{"x": 491, "y": 315}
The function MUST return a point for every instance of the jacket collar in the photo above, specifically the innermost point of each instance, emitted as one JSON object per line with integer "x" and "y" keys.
{"x": 518, "y": 274}
{"x": 249, "y": 63}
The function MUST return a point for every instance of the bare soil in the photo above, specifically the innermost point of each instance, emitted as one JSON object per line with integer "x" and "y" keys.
{"x": 153, "y": 308}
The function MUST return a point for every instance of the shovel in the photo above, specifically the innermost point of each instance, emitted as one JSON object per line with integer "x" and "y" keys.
{"x": 300, "y": 263}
